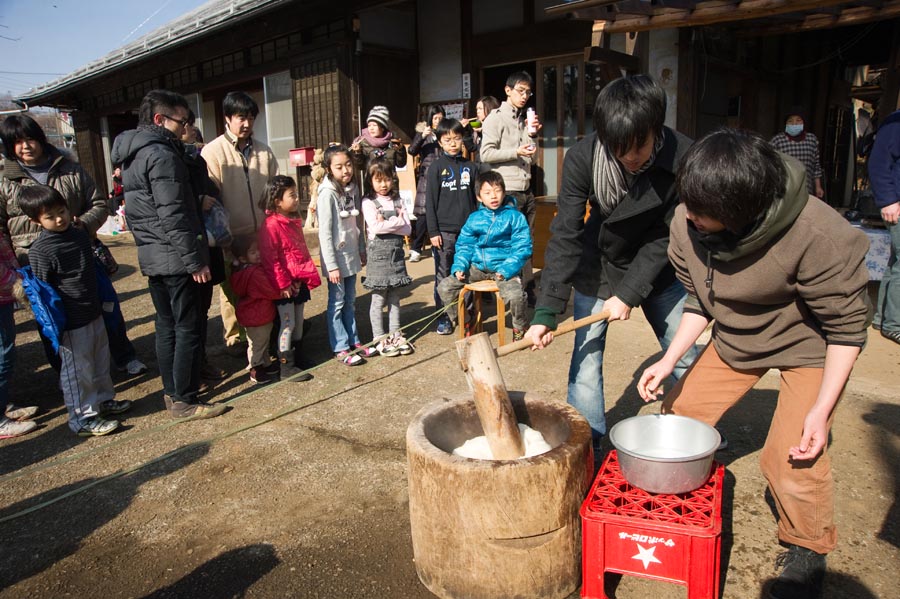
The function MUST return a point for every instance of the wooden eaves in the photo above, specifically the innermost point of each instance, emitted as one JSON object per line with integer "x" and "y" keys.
{"x": 770, "y": 17}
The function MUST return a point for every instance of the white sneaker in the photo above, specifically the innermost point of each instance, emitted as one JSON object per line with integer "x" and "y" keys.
{"x": 403, "y": 346}
{"x": 135, "y": 366}
{"x": 414, "y": 256}
{"x": 386, "y": 347}
{"x": 20, "y": 413}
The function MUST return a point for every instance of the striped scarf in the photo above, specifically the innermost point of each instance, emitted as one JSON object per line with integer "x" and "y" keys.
{"x": 611, "y": 180}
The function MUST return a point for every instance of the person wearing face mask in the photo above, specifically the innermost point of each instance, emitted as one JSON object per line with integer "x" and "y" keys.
{"x": 797, "y": 142}
{"x": 616, "y": 260}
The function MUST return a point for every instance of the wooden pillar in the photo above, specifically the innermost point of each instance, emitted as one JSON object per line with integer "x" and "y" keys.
{"x": 686, "y": 117}
{"x": 90, "y": 147}
{"x": 890, "y": 100}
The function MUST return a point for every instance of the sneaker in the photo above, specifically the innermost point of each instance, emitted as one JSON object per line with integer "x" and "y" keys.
{"x": 414, "y": 256}
{"x": 892, "y": 335}
{"x": 111, "y": 406}
{"x": 274, "y": 367}
{"x": 20, "y": 413}
{"x": 259, "y": 376}
{"x": 97, "y": 427}
{"x": 366, "y": 351}
{"x": 12, "y": 428}
{"x": 403, "y": 346}
{"x": 518, "y": 334}
{"x": 181, "y": 410}
{"x": 386, "y": 347}
{"x": 212, "y": 373}
{"x": 349, "y": 359}
{"x": 802, "y": 574}
{"x": 134, "y": 367}
{"x": 444, "y": 326}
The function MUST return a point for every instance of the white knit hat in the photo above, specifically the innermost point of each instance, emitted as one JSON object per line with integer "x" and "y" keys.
{"x": 380, "y": 115}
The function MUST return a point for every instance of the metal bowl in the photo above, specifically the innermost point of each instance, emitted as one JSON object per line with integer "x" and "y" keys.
{"x": 665, "y": 453}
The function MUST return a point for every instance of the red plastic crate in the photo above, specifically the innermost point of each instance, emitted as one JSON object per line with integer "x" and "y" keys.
{"x": 674, "y": 538}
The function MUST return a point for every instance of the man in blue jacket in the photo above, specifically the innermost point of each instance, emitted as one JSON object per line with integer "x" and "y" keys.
{"x": 884, "y": 176}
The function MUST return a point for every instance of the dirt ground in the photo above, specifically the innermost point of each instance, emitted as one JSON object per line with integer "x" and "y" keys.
{"x": 301, "y": 490}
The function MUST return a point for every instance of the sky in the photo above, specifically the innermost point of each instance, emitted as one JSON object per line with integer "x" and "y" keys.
{"x": 40, "y": 40}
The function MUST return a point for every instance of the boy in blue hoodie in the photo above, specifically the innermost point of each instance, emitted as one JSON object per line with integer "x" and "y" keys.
{"x": 449, "y": 200}
{"x": 494, "y": 244}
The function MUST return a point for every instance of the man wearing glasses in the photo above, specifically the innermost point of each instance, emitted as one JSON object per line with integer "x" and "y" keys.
{"x": 508, "y": 146}
{"x": 164, "y": 217}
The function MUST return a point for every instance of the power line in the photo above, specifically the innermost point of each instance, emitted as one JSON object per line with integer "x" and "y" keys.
{"x": 27, "y": 73}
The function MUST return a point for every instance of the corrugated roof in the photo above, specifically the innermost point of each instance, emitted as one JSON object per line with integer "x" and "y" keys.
{"x": 201, "y": 21}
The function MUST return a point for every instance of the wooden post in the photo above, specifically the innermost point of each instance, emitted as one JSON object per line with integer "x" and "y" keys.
{"x": 495, "y": 411}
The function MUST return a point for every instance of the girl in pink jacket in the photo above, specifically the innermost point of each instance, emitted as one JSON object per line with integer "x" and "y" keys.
{"x": 286, "y": 261}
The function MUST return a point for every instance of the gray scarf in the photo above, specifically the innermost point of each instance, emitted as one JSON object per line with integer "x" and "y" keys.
{"x": 611, "y": 180}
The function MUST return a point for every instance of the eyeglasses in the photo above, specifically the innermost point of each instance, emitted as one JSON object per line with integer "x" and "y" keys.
{"x": 182, "y": 122}
{"x": 525, "y": 93}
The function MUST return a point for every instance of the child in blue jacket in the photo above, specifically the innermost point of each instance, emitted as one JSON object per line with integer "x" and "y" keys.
{"x": 493, "y": 245}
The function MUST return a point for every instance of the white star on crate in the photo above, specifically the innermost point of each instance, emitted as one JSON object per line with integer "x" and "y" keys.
{"x": 646, "y": 555}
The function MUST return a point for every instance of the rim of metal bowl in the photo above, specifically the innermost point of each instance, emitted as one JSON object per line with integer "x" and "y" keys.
{"x": 690, "y": 458}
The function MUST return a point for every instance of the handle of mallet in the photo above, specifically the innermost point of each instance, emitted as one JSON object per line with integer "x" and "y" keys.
{"x": 561, "y": 330}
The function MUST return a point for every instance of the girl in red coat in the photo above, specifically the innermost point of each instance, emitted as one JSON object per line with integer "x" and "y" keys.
{"x": 286, "y": 261}
{"x": 255, "y": 307}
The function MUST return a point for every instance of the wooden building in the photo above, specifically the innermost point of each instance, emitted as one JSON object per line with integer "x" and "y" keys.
{"x": 316, "y": 67}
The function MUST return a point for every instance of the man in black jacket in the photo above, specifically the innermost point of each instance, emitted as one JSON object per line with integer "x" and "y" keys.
{"x": 617, "y": 259}
{"x": 163, "y": 215}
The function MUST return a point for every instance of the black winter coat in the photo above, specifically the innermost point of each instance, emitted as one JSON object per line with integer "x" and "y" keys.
{"x": 624, "y": 254}
{"x": 160, "y": 206}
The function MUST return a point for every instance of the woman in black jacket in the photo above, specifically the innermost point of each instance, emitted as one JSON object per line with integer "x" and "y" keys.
{"x": 426, "y": 148}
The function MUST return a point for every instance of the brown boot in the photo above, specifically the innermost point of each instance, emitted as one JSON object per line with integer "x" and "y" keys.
{"x": 181, "y": 410}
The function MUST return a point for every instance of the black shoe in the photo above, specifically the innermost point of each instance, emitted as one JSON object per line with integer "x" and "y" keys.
{"x": 289, "y": 371}
{"x": 802, "y": 574}
{"x": 892, "y": 335}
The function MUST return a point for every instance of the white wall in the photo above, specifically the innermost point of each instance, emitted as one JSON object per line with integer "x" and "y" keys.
{"x": 440, "y": 51}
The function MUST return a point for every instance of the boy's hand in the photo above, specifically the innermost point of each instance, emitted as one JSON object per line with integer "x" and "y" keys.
{"x": 526, "y": 150}
{"x": 287, "y": 292}
{"x": 538, "y": 125}
{"x": 498, "y": 276}
{"x": 202, "y": 276}
{"x": 460, "y": 275}
{"x": 437, "y": 242}
{"x": 334, "y": 276}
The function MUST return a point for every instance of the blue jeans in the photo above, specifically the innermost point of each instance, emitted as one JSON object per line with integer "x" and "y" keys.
{"x": 887, "y": 312}
{"x": 340, "y": 314}
{"x": 585, "y": 392}
{"x": 7, "y": 353}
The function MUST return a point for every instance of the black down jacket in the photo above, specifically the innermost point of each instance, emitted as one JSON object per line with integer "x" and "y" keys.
{"x": 159, "y": 203}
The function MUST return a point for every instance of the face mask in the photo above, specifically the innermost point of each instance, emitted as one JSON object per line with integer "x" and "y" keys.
{"x": 793, "y": 130}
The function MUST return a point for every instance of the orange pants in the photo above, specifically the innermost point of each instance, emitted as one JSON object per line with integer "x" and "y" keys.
{"x": 803, "y": 490}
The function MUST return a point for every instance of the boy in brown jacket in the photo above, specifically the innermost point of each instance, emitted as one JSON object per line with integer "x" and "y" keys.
{"x": 784, "y": 278}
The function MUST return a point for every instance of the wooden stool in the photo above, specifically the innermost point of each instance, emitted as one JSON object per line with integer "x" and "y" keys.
{"x": 478, "y": 325}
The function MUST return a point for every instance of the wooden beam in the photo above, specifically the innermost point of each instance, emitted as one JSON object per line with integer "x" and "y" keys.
{"x": 707, "y": 13}
{"x": 565, "y": 7}
{"x": 850, "y": 16}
